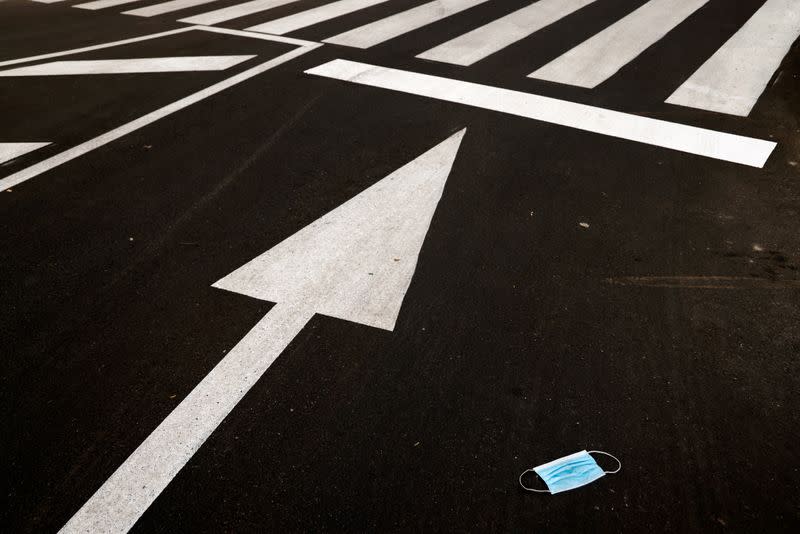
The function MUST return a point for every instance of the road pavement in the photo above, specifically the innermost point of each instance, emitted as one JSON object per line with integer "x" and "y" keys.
{"x": 318, "y": 265}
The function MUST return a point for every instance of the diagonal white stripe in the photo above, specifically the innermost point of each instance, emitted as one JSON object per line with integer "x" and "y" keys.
{"x": 732, "y": 80}
{"x": 709, "y": 143}
{"x": 390, "y": 27}
{"x": 484, "y": 41}
{"x": 130, "y": 490}
{"x": 166, "y": 7}
{"x": 234, "y": 12}
{"x": 97, "y": 46}
{"x": 102, "y": 4}
{"x": 110, "y": 136}
{"x": 313, "y": 16}
{"x": 600, "y": 57}
{"x": 126, "y": 66}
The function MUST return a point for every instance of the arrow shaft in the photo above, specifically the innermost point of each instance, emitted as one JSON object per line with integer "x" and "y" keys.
{"x": 125, "y": 496}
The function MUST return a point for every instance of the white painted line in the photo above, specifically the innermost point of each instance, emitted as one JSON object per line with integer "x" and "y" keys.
{"x": 103, "y": 4}
{"x": 128, "y": 66}
{"x": 482, "y": 42}
{"x": 363, "y": 253}
{"x": 393, "y": 26}
{"x": 709, "y": 143}
{"x": 234, "y": 12}
{"x": 9, "y": 151}
{"x": 95, "y": 47}
{"x": 601, "y": 56}
{"x": 255, "y": 35}
{"x": 166, "y": 7}
{"x": 732, "y": 80}
{"x": 133, "y": 487}
{"x": 313, "y": 16}
{"x": 141, "y": 122}
{"x": 356, "y": 262}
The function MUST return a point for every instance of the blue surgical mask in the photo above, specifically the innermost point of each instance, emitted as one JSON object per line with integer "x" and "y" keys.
{"x": 569, "y": 472}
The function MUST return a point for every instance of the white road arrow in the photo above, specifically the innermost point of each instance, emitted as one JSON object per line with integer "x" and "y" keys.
{"x": 355, "y": 263}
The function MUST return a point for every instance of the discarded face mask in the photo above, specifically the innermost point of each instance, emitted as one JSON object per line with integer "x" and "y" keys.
{"x": 569, "y": 472}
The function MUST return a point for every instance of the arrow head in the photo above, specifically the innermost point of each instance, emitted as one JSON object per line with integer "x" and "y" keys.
{"x": 356, "y": 262}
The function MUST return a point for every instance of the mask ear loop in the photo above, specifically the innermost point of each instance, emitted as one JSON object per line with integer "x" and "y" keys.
{"x": 526, "y": 487}
{"x": 612, "y": 456}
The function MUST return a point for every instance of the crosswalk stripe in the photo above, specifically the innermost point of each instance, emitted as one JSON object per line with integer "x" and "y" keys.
{"x": 671, "y": 135}
{"x": 102, "y": 4}
{"x": 601, "y": 56}
{"x": 732, "y": 80}
{"x": 166, "y": 7}
{"x": 234, "y": 12}
{"x": 482, "y": 42}
{"x": 313, "y": 16}
{"x": 393, "y": 26}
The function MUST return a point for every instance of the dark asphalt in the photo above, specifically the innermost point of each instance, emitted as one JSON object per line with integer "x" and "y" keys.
{"x": 521, "y": 339}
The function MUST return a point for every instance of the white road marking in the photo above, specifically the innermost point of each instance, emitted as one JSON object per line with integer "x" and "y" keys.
{"x": 128, "y": 66}
{"x": 484, "y": 41}
{"x": 356, "y": 262}
{"x": 342, "y": 265}
{"x": 9, "y": 151}
{"x": 732, "y": 80}
{"x": 262, "y": 36}
{"x": 234, "y": 12}
{"x": 601, "y": 56}
{"x": 166, "y": 7}
{"x": 709, "y": 143}
{"x": 102, "y": 4}
{"x": 393, "y": 26}
{"x": 132, "y": 488}
{"x": 101, "y": 140}
{"x": 96, "y": 47}
{"x": 313, "y": 16}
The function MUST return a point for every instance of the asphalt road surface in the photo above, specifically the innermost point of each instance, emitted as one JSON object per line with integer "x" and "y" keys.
{"x": 318, "y": 265}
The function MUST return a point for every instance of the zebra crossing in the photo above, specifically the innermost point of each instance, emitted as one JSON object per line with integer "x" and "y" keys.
{"x": 489, "y": 39}
{"x": 600, "y": 57}
{"x": 235, "y": 11}
{"x": 166, "y": 7}
{"x": 103, "y": 4}
{"x": 730, "y": 82}
{"x": 399, "y": 24}
{"x": 313, "y": 16}
{"x": 733, "y": 78}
